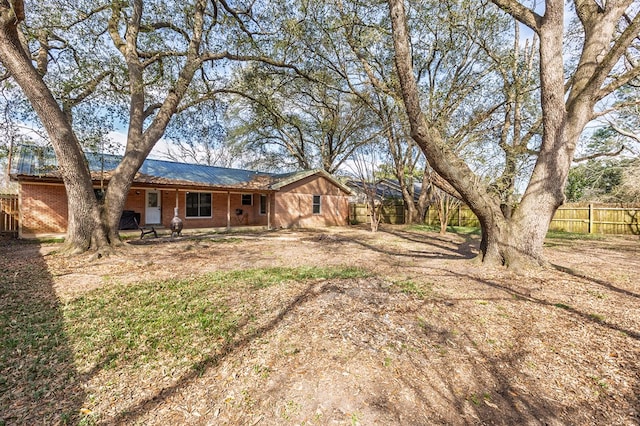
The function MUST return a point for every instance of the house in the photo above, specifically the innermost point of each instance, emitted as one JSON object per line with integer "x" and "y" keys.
{"x": 382, "y": 190}
{"x": 204, "y": 196}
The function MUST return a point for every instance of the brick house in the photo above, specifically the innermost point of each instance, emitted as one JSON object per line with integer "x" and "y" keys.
{"x": 205, "y": 196}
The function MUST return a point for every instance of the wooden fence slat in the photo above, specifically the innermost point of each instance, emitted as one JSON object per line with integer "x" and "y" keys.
{"x": 576, "y": 218}
{"x": 9, "y": 215}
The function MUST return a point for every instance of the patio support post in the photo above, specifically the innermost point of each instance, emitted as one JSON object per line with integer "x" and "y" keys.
{"x": 228, "y": 210}
{"x": 269, "y": 212}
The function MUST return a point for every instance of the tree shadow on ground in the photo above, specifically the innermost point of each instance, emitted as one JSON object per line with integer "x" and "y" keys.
{"x": 433, "y": 250}
{"x": 522, "y": 293}
{"x": 467, "y": 249}
{"x": 603, "y": 283}
{"x": 130, "y": 415}
{"x": 430, "y": 386}
{"x": 39, "y": 383}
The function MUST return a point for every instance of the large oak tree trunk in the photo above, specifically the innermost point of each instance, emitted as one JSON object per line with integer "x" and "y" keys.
{"x": 84, "y": 223}
{"x": 515, "y": 240}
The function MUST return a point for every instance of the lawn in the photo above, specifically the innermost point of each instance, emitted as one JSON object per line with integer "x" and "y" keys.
{"x": 337, "y": 326}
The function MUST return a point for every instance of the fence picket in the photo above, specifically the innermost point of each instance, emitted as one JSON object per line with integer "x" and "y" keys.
{"x": 578, "y": 218}
{"x": 9, "y": 215}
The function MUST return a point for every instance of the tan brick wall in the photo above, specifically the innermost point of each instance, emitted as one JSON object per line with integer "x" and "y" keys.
{"x": 294, "y": 204}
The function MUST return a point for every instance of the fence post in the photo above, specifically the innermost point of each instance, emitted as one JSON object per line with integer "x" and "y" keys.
{"x": 590, "y": 218}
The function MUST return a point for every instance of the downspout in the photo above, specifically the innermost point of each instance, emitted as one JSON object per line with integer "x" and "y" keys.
{"x": 228, "y": 211}
{"x": 268, "y": 212}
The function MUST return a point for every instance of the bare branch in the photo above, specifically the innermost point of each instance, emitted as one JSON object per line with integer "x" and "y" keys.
{"x": 257, "y": 58}
{"x": 166, "y": 25}
{"x": 625, "y": 132}
{"x": 613, "y": 55}
{"x": 236, "y": 16}
{"x": 599, "y": 155}
{"x": 521, "y": 13}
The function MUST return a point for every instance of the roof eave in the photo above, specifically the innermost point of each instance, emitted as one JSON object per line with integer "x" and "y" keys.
{"x": 305, "y": 174}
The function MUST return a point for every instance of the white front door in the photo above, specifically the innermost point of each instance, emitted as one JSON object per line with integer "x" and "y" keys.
{"x": 152, "y": 212}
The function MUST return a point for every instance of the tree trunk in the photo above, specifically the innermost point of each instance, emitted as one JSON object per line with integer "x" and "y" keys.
{"x": 84, "y": 230}
{"x": 425, "y": 195}
{"x": 407, "y": 196}
{"x": 515, "y": 241}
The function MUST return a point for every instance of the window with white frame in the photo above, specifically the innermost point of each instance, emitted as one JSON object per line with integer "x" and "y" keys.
{"x": 247, "y": 199}
{"x": 198, "y": 204}
{"x": 316, "y": 204}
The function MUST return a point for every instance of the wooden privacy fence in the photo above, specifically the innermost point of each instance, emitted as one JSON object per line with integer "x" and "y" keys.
{"x": 9, "y": 215}
{"x": 461, "y": 216}
{"x": 597, "y": 219}
{"x": 392, "y": 212}
{"x": 579, "y": 218}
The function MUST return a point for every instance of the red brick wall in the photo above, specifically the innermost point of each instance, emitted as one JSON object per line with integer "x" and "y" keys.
{"x": 250, "y": 214}
{"x": 135, "y": 201}
{"x": 43, "y": 207}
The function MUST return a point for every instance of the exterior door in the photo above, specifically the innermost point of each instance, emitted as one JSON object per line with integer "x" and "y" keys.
{"x": 152, "y": 212}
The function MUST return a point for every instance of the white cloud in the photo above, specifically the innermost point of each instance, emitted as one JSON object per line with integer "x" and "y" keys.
{"x": 120, "y": 141}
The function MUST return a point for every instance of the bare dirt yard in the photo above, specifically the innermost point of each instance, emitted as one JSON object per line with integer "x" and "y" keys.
{"x": 418, "y": 335}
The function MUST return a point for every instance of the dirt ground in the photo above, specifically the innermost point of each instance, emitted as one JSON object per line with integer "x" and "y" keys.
{"x": 481, "y": 346}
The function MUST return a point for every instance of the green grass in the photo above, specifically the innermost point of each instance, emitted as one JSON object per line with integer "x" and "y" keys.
{"x": 469, "y": 230}
{"x": 562, "y": 306}
{"x": 562, "y": 235}
{"x": 461, "y": 230}
{"x": 411, "y": 287}
{"x": 172, "y": 322}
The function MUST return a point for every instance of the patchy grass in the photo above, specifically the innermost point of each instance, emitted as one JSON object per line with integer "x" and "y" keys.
{"x": 169, "y": 322}
{"x": 461, "y": 230}
{"x": 140, "y": 338}
{"x": 563, "y": 235}
{"x": 469, "y": 230}
{"x": 420, "y": 290}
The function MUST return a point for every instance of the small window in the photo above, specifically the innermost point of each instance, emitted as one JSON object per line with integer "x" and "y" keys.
{"x": 263, "y": 204}
{"x": 99, "y": 194}
{"x": 247, "y": 199}
{"x": 316, "y": 204}
{"x": 198, "y": 204}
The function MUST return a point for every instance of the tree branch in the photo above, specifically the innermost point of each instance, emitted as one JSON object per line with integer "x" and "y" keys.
{"x": 613, "y": 55}
{"x": 521, "y": 13}
{"x": 599, "y": 155}
{"x": 625, "y": 132}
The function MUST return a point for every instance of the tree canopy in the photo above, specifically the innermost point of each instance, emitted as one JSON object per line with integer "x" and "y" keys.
{"x": 452, "y": 88}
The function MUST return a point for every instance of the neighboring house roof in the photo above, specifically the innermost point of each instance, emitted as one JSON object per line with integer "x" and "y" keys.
{"x": 393, "y": 187}
{"x": 384, "y": 189}
{"x": 41, "y": 162}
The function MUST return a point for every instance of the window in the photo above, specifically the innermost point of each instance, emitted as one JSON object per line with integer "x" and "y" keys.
{"x": 316, "y": 204}
{"x": 198, "y": 204}
{"x": 263, "y": 204}
{"x": 247, "y": 199}
{"x": 99, "y": 194}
